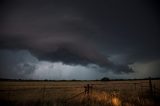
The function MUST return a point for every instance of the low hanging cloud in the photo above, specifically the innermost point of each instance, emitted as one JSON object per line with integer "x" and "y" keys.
{"x": 82, "y": 33}
{"x": 59, "y": 70}
{"x": 16, "y": 64}
{"x": 63, "y": 49}
{"x": 23, "y": 65}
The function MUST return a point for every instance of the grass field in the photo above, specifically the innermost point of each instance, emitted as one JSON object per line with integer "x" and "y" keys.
{"x": 71, "y": 93}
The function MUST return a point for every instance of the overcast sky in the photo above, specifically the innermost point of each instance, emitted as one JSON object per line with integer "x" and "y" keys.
{"x": 79, "y": 39}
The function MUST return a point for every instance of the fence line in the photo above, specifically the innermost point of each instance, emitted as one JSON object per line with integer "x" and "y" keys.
{"x": 89, "y": 87}
{"x": 153, "y": 91}
{"x": 74, "y": 96}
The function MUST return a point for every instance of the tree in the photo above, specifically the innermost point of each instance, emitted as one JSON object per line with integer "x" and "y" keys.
{"x": 105, "y": 79}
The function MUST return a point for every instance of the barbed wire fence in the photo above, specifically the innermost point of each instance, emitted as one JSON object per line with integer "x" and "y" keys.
{"x": 152, "y": 90}
{"x": 87, "y": 89}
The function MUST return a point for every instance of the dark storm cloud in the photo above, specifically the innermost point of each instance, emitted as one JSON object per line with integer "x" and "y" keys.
{"x": 66, "y": 51}
{"x": 16, "y": 64}
{"x": 83, "y": 32}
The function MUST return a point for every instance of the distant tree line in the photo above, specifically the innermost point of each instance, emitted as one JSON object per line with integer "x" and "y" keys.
{"x": 102, "y": 79}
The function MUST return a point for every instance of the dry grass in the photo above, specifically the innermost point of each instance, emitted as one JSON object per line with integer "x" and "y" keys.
{"x": 112, "y": 93}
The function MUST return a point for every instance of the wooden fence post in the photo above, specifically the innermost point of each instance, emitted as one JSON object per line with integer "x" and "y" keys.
{"x": 88, "y": 89}
{"x": 8, "y": 93}
{"x": 154, "y": 92}
{"x": 141, "y": 89}
{"x": 43, "y": 95}
{"x": 135, "y": 86}
{"x": 150, "y": 86}
{"x": 91, "y": 88}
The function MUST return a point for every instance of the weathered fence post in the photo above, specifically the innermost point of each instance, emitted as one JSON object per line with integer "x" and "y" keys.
{"x": 141, "y": 89}
{"x": 135, "y": 86}
{"x": 43, "y": 95}
{"x": 8, "y": 93}
{"x": 88, "y": 89}
{"x": 150, "y": 86}
{"x": 91, "y": 88}
{"x": 154, "y": 92}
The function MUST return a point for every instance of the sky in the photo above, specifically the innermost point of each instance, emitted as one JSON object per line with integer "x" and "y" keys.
{"x": 79, "y": 39}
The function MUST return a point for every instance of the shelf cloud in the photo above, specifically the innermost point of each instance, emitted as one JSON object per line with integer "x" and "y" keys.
{"x": 114, "y": 35}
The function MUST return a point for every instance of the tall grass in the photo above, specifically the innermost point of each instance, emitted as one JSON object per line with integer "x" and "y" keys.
{"x": 111, "y": 93}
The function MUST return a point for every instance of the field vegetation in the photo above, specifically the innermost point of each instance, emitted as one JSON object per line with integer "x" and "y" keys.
{"x": 73, "y": 93}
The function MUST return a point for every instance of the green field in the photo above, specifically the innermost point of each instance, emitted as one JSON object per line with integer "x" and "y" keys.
{"x": 71, "y": 93}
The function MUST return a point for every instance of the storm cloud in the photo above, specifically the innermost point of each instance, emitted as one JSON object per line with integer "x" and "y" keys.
{"x": 115, "y": 34}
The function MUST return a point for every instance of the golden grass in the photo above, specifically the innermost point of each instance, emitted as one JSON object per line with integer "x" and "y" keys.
{"x": 112, "y": 93}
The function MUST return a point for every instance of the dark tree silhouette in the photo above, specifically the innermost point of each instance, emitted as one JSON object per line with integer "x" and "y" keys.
{"x": 105, "y": 79}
